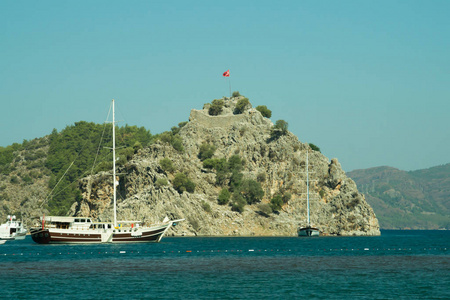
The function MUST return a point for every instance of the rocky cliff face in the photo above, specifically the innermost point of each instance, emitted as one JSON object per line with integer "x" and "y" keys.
{"x": 337, "y": 208}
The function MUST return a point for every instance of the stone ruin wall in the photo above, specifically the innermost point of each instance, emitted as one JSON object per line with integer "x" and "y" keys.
{"x": 215, "y": 121}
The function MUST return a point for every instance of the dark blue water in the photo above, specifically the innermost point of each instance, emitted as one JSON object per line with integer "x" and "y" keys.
{"x": 395, "y": 265}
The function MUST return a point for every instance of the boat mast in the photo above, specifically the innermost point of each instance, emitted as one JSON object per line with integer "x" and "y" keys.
{"x": 307, "y": 186}
{"x": 114, "y": 162}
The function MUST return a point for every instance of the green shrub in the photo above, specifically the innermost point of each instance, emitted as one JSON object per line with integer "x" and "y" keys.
{"x": 286, "y": 197}
{"x": 14, "y": 179}
{"x": 241, "y": 105}
{"x": 103, "y": 166}
{"x": 314, "y": 147}
{"x": 173, "y": 139}
{"x": 279, "y": 129}
{"x": 121, "y": 159}
{"x": 127, "y": 153}
{"x": 220, "y": 164}
{"x": 27, "y": 179}
{"x": 206, "y": 207}
{"x": 182, "y": 124}
{"x": 167, "y": 165}
{"x": 282, "y": 126}
{"x": 224, "y": 197}
{"x": 160, "y": 182}
{"x": 36, "y": 164}
{"x": 261, "y": 177}
{"x": 276, "y": 202}
{"x": 235, "y": 163}
{"x": 265, "y": 112}
{"x": 190, "y": 186}
{"x": 206, "y": 151}
{"x": 251, "y": 191}
{"x": 7, "y": 157}
{"x": 238, "y": 203}
{"x": 177, "y": 143}
{"x": 216, "y": 107}
{"x": 179, "y": 182}
{"x": 322, "y": 193}
{"x": 137, "y": 146}
{"x": 182, "y": 183}
{"x": 175, "y": 130}
{"x": 225, "y": 169}
{"x": 235, "y": 180}
{"x": 265, "y": 209}
{"x": 166, "y": 137}
{"x": 209, "y": 163}
{"x": 235, "y": 94}
{"x": 221, "y": 177}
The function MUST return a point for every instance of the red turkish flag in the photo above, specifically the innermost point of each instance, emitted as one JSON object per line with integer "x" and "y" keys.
{"x": 226, "y": 74}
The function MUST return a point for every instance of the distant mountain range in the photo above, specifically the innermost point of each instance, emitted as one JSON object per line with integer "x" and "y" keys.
{"x": 401, "y": 200}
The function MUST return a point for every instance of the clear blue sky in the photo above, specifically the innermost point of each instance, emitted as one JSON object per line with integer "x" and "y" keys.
{"x": 366, "y": 81}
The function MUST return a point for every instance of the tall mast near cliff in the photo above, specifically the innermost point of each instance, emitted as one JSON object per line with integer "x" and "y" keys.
{"x": 308, "y": 230}
{"x": 307, "y": 188}
{"x": 66, "y": 230}
{"x": 114, "y": 162}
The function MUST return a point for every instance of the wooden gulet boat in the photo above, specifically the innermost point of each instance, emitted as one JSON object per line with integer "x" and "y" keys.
{"x": 63, "y": 230}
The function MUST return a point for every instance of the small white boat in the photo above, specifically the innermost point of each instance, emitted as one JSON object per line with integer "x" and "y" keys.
{"x": 2, "y": 242}
{"x": 12, "y": 230}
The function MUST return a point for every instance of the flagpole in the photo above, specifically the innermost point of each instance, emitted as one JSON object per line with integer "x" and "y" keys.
{"x": 229, "y": 81}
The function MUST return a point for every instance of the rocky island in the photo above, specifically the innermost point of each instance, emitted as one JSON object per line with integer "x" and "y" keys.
{"x": 230, "y": 171}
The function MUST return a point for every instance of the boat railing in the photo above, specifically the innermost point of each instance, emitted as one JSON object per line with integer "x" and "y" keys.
{"x": 58, "y": 226}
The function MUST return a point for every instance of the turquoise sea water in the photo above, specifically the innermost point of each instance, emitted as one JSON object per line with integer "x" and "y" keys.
{"x": 395, "y": 265}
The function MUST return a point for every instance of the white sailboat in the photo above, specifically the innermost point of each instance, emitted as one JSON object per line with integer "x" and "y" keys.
{"x": 308, "y": 230}
{"x": 63, "y": 230}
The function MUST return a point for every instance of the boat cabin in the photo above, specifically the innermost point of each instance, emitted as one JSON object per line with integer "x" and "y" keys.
{"x": 66, "y": 222}
{"x": 101, "y": 226}
{"x": 78, "y": 223}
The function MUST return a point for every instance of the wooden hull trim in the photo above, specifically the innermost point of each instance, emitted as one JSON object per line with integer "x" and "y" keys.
{"x": 49, "y": 236}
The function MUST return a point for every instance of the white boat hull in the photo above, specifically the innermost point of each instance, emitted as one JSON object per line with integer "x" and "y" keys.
{"x": 12, "y": 230}
{"x": 99, "y": 236}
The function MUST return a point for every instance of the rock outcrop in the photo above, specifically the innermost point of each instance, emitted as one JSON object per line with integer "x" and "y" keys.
{"x": 337, "y": 208}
